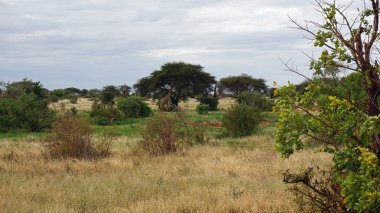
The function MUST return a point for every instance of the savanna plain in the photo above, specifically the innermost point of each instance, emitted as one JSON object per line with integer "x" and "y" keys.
{"x": 224, "y": 174}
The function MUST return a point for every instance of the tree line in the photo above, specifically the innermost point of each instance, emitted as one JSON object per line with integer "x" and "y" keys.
{"x": 172, "y": 83}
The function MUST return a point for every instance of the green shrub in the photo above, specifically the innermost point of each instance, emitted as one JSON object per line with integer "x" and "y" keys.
{"x": 241, "y": 120}
{"x": 108, "y": 95}
{"x": 202, "y": 109}
{"x": 8, "y": 119}
{"x": 212, "y": 102}
{"x": 26, "y": 112}
{"x": 134, "y": 107}
{"x": 162, "y": 135}
{"x": 71, "y": 137}
{"x": 104, "y": 114}
{"x": 53, "y": 98}
{"x": 255, "y": 99}
{"x": 102, "y": 121}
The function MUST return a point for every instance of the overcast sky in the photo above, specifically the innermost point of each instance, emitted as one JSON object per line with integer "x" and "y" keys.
{"x": 93, "y": 43}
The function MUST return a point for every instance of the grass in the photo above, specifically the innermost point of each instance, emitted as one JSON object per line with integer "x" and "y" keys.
{"x": 212, "y": 178}
{"x": 132, "y": 127}
{"x": 225, "y": 175}
{"x": 21, "y": 135}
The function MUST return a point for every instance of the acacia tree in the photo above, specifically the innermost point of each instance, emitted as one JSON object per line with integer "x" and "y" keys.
{"x": 108, "y": 94}
{"x": 184, "y": 80}
{"x": 243, "y": 83}
{"x": 125, "y": 90}
{"x": 347, "y": 127}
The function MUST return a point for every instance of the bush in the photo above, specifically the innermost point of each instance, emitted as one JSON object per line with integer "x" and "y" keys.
{"x": 71, "y": 137}
{"x": 202, "y": 109}
{"x": 104, "y": 114}
{"x": 108, "y": 94}
{"x": 197, "y": 134}
{"x": 26, "y": 112}
{"x": 53, "y": 98}
{"x": 212, "y": 102}
{"x": 73, "y": 99}
{"x": 8, "y": 118}
{"x": 162, "y": 135}
{"x": 134, "y": 107}
{"x": 241, "y": 120}
{"x": 255, "y": 99}
{"x": 315, "y": 194}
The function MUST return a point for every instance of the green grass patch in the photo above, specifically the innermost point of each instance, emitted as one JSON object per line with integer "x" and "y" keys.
{"x": 20, "y": 134}
{"x": 132, "y": 127}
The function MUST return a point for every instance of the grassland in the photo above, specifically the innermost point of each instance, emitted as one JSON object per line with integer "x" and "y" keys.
{"x": 225, "y": 175}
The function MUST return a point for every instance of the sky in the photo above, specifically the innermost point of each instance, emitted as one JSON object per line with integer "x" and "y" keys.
{"x": 93, "y": 43}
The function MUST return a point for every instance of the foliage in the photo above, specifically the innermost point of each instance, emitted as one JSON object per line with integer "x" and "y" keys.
{"x": 53, "y": 98}
{"x": 71, "y": 91}
{"x": 343, "y": 129}
{"x": 301, "y": 87}
{"x": 182, "y": 79}
{"x": 25, "y": 105}
{"x": 202, "y": 109}
{"x": 26, "y": 112}
{"x": 315, "y": 194}
{"x": 241, "y": 120}
{"x": 341, "y": 113}
{"x": 71, "y": 137}
{"x": 361, "y": 185}
{"x": 162, "y": 135}
{"x": 59, "y": 93}
{"x": 93, "y": 93}
{"x": 255, "y": 99}
{"x": 235, "y": 85}
{"x": 134, "y": 107}
{"x": 211, "y": 101}
{"x": 105, "y": 114}
{"x": 108, "y": 94}
{"x": 125, "y": 90}
{"x": 25, "y": 87}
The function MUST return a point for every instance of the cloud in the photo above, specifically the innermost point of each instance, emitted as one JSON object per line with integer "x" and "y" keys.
{"x": 92, "y": 43}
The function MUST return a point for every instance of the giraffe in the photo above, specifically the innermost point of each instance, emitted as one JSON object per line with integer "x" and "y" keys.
{"x": 166, "y": 101}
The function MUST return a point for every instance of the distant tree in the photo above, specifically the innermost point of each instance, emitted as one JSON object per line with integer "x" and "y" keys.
{"x": 235, "y": 85}
{"x": 2, "y": 88}
{"x": 58, "y": 93}
{"x": 92, "y": 93}
{"x": 301, "y": 87}
{"x": 184, "y": 80}
{"x": 144, "y": 87}
{"x": 72, "y": 90}
{"x": 125, "y": 90}
{"x": 83, "y": 92}
{"x": 108, "y": 94}
{"x": 26, "y": 86}
{"x": 270, "y": 92}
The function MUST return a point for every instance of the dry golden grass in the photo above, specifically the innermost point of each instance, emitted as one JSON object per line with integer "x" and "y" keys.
{"x": 85, "y": 104}
{"x": 192, "y": 103}
{"x": 212, "y": 178}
